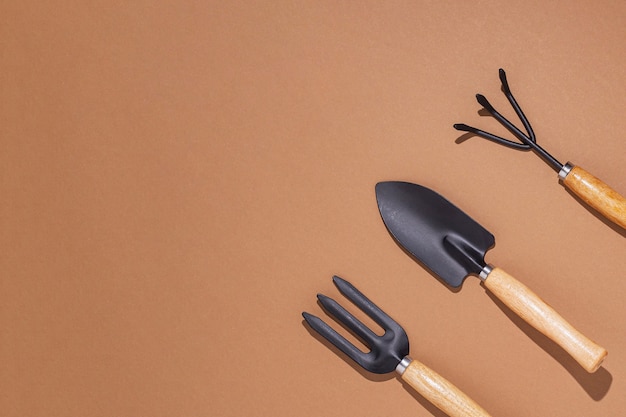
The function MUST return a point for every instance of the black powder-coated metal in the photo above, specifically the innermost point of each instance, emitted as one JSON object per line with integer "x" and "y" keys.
{"x": 386, "y": 351}
{"x": 529, "y": 141}
{"x": 445, "y": 239}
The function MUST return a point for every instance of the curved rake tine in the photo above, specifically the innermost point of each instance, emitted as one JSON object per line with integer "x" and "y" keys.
{"x": 482, "y": 100}
{"x": 490, "y": 136}
{"x": 516, "y": 107}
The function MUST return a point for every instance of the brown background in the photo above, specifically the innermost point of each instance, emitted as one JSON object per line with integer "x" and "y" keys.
{"x": 179, "y": 179}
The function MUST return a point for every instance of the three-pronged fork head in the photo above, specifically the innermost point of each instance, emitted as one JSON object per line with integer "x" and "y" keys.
{"x": 386, "y": 351}
{"x": 528, "y": 139}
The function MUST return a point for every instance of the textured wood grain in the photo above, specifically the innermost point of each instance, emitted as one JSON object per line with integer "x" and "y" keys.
{"x": 544, "y": 318}
{"x": 597, "y": 194}
{"x": 441, "y": 392}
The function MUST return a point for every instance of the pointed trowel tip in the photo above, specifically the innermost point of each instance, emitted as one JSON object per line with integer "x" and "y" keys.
{"x": 387, "y": 189}
{"x": 381, "y": 186}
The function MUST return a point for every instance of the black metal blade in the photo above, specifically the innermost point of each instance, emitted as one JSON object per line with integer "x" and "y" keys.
{"x": 449, "y": 242}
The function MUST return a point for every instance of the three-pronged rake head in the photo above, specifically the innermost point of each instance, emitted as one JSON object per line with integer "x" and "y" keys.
{"x": 386, "y": 351}
{"x": 528, "y": 139}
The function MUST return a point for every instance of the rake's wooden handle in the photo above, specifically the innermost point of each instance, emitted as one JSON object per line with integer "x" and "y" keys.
{"x": 542, "y": 317}
{"x": 597, "y": 194}
{"x": 441, "y": 392}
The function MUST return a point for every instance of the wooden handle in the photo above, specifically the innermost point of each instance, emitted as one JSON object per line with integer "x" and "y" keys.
{"x": 542, "y": 317}
{"x": 440, "y": 391}
{"x": 597, "y": 194}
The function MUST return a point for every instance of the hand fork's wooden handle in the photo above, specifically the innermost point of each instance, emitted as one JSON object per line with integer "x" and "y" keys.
{"x": 440, "y": 391}
{"x": 597, "y": 194}
{"x": 542, "y": 317}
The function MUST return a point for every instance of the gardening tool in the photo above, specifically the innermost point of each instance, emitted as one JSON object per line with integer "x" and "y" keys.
{"x": 452, "y": 245}
{"x": 389, "y": 352}
{"x": 590, "y": 189}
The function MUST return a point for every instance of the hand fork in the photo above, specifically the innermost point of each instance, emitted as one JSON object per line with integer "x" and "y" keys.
{"x": 389, "y": 352}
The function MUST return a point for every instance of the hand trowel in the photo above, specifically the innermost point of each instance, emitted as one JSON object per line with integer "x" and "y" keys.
{"x": 452, "y": 245}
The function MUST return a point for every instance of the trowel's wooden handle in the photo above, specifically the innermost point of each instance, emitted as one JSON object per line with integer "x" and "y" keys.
{"x": 597, "y": 194}
{"x": 440, "y": 391}
{"x": 542, "y": 317}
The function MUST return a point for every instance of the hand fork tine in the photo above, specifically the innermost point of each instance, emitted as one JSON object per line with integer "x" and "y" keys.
{"x": 361, "y": 301}
{"x": 335, "y": 338}
{"x": 351, "y": 322}
{"x": 389, "y": 352}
